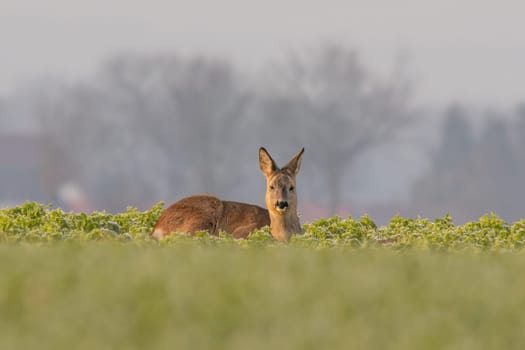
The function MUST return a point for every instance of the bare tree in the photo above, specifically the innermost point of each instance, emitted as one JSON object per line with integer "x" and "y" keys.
{"x": 210, "y": 100}
{"x": 107, "y": 129}
{"x": 150, "y": 127}
{"x": 327, "y": 100}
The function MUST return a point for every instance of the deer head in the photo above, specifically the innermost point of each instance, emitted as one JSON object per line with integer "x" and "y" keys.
{"x": 281, "y": 194}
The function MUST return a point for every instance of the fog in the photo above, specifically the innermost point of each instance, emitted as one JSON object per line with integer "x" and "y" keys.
{"x": 403, "y": 107}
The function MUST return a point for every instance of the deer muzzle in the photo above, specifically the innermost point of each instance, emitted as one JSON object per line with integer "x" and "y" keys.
{"x": 281, "y": 206}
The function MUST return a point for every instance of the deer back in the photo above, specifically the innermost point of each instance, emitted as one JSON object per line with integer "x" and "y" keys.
{"x": 208, "y": 213}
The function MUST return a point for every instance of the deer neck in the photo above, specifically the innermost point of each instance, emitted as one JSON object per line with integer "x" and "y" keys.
{"x": 284, "y": 226}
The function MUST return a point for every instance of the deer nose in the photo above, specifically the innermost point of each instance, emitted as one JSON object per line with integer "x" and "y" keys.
{"x": 282, "y": 205}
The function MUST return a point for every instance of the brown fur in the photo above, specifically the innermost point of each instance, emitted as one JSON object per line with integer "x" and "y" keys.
{"x": 208, "y": 213}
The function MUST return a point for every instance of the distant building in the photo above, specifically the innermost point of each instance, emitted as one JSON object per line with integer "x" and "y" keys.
{"x": 21, "y": 166}
{"x": 31, "y": 169}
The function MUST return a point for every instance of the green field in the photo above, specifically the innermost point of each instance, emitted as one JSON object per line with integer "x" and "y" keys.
{"x": 107, "y": 296}
{"x": 76, "y": 281}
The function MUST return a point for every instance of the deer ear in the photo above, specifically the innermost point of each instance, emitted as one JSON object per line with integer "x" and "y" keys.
{"x": 266, "y": 163}
{"x": 295, "y": 163}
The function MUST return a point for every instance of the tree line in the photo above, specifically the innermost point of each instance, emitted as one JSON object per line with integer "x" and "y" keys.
{"x": 478, "y": 166}
{"x": 150, "y": 127}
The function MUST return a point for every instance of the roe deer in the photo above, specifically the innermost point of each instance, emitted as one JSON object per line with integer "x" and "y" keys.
{"x": 204, "y": 212}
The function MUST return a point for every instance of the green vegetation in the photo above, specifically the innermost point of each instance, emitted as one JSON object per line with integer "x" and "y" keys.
{"x": 76, "y": 281}
{"x": 34, "y": 222}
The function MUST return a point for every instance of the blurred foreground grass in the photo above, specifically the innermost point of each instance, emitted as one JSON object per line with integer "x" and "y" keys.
{"x": 78, "y": 281}
{"x": 121, "y": 296}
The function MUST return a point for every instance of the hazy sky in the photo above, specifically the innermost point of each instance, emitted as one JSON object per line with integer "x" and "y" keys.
{"x": 458, "y": 49}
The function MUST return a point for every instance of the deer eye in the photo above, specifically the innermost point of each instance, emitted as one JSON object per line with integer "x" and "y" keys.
{"x": 292, "y": 188}
{"x": 272, "y": 187}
